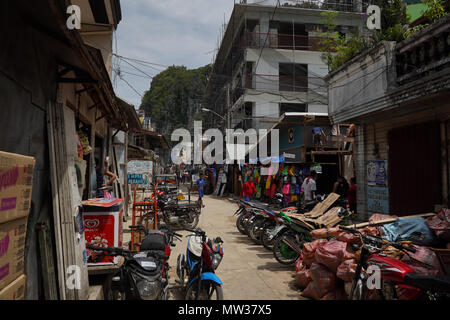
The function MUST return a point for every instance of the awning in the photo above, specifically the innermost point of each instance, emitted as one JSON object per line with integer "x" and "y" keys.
{"x": 130, "y": 115}
{"x": 156, "y": 140}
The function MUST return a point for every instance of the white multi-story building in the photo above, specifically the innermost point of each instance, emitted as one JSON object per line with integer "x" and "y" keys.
{"x": 269, "y": 61}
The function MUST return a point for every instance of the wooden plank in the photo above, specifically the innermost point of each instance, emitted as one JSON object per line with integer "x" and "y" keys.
{"x": 55, "y": 197}
{"x": 391, "y": 220}
{"x": 320, "y": 208}
{"x": 47, "y": 262}
{"x": 330, "y": 218}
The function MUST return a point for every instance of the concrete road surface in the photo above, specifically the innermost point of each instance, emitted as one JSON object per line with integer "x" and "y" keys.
{"x": 248, "y": 271}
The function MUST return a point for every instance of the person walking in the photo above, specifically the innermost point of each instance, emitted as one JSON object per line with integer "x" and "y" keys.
{"x": 309, "y": 186}
{"x": 201, "y": 185}
{"x": 248, "y": 189}
{"x": 352, "y": 195}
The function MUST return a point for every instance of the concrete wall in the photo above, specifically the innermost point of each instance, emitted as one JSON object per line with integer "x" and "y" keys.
{"x": 359, "y": 82}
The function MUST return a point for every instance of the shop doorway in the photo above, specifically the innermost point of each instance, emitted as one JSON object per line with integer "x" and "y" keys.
{"x": 414, "y": 169}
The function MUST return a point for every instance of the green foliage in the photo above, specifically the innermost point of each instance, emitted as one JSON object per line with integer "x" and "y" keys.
{"x": 172, "y": 94}
{"x": 436, "y": 10}
{"x": 336, "y": 48}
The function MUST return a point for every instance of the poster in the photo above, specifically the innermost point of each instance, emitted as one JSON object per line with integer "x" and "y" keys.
{"x": 140, "y": 172}
{"x": 377, "y": 173}
{"x": 378, "y": 199}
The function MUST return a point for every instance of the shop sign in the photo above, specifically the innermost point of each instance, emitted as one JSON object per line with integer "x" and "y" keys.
{"x": 317, "y": 168}
{"x": 378, "y": 199}
{"x": 376, "y": 173}
{"x": 140, "y": 172}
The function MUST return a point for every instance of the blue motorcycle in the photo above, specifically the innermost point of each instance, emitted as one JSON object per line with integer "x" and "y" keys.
{"x": 203, "y": 257}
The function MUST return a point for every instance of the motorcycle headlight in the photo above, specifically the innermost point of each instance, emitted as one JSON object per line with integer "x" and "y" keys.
{"x": 217, "y": 258}
{"x": 148, "y": 289}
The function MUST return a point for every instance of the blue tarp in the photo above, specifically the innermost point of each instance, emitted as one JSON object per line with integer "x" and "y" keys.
{"x": 403, "y": 228}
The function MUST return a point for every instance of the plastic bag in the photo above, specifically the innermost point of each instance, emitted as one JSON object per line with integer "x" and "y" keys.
{"x": 333, "y": 253}
{"x": 309, "y": 249}
{"x": 403, "y": 229}
{"x": 323, "y": 281}
{"x": 380, "y": 216}
{"x": 324, "y": 233}
{"x": 423, "y": 261}
{"x": 346, "y": 270}
{"x": 303, "y": 277}
{"x": 440, "y": 224}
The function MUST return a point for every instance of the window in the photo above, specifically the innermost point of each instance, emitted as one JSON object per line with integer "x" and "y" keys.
{"x": 292, "y": 107}
{"x": 293, "y": 77}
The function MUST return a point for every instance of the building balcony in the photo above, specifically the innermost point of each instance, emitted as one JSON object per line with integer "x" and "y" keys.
{"x": 283, "y": 41}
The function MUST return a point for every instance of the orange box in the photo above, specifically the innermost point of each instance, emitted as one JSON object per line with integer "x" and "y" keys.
{"x": 16, "y": 290}
{"x": 16, "y": 182}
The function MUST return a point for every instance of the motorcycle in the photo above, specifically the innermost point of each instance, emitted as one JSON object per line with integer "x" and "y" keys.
{"x": 203, "y": 257}
{"x": 143, "y": 275}
{"x": 398, "y": 280}
{"x": 175, "y": 214}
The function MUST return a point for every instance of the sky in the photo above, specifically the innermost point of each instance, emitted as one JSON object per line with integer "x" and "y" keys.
{"x": 169, "y": 32}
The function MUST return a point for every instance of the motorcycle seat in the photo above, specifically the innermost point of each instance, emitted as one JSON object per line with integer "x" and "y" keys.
{"x": 258, "y": 205}
{"x": 427, "y": 282}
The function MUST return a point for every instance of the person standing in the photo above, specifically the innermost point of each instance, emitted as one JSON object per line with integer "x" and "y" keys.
{"x": 248, "y": 189}
{"x": 309, "y": 186}
{"x": 352, "y": 195}
{"x": 102, "y": 174}
{"x": 341, "y": 187}
{"x": 318, "y": 133}
{"x": 201, "y": 185}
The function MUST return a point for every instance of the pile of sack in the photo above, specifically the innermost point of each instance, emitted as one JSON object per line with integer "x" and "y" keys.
{"x": 326, "y": 268}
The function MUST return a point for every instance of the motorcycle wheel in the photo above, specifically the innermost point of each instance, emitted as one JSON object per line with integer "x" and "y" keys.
{"x": 240, "y": 224}
{"x": 255, "y": 231}
{"x": 264, "y": 236}
{"x": 208, "y": 288}
{"x": 283, "y": 253}
{"x": 192, "y": 224}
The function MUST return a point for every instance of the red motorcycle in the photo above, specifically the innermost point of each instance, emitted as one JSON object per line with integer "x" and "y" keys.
{"x": 398, "y": 280}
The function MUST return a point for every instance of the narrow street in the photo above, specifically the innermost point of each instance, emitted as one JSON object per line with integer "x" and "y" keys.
{"x": 248, "y": 271}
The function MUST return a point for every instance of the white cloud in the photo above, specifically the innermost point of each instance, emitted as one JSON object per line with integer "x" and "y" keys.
{"x": 170, "y": 32}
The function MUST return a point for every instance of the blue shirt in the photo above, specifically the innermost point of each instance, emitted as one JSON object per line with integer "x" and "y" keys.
{"x": 200, "y": 183}
{"x": 317, "y": 129}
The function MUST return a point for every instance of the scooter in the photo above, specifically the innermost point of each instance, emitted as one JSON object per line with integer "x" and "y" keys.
{"x": 144, "y": 274}
{"x": 203, "y": 257}
{"x": 398, "y": 280}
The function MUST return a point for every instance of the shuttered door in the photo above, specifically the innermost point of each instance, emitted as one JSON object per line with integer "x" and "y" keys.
{"x": 414, "y": 169}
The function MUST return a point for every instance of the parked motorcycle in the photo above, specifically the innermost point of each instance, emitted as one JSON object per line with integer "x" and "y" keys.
{"x": 143, "y": 275}
{"x": 398, "y": 280}
{"x": 203, "y": 257}
{"x": 173, "y": 213}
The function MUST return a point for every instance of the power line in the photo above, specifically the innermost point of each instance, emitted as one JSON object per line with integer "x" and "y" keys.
{"x": 121, "y": 78}
{"x": 137, "y": 69}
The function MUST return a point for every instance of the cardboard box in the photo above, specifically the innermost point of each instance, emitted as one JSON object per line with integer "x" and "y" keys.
{"x": 12, "y": 248}
{"x": 16, "y": 290}
{"x": 16, "y": 182}
{"x": 103, "y": 228}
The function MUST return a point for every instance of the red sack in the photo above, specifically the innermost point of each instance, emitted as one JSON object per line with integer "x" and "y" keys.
{"x": 333, "y": 253}
{"x": 338, "y": 294}
{"x": 324, "y": 233}
{"x": 348, "y": 237}
{"x": 303, "y": 278}
{"x": 323, "y": 281}
{"x": 440, "y": 224}
{"x": 299, "y": 265}
{"x": 309, "y": 249}
{"x": 423, "y": 261}
{"x": 346, "y": 270}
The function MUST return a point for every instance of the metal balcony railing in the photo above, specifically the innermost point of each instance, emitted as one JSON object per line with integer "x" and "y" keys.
{"x": 335, "y": 5}
{"x": 285, "y": 83}
{"x": 283, "y": 41}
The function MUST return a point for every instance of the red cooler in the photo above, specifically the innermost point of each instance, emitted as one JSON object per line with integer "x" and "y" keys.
{"x": 102, "y": 221}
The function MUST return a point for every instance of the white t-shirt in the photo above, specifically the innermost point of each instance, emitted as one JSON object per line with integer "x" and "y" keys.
{"x": 309, "y": 185}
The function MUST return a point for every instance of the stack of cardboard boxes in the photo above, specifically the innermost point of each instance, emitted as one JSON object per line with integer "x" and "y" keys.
{"x": 16, "y": 181}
